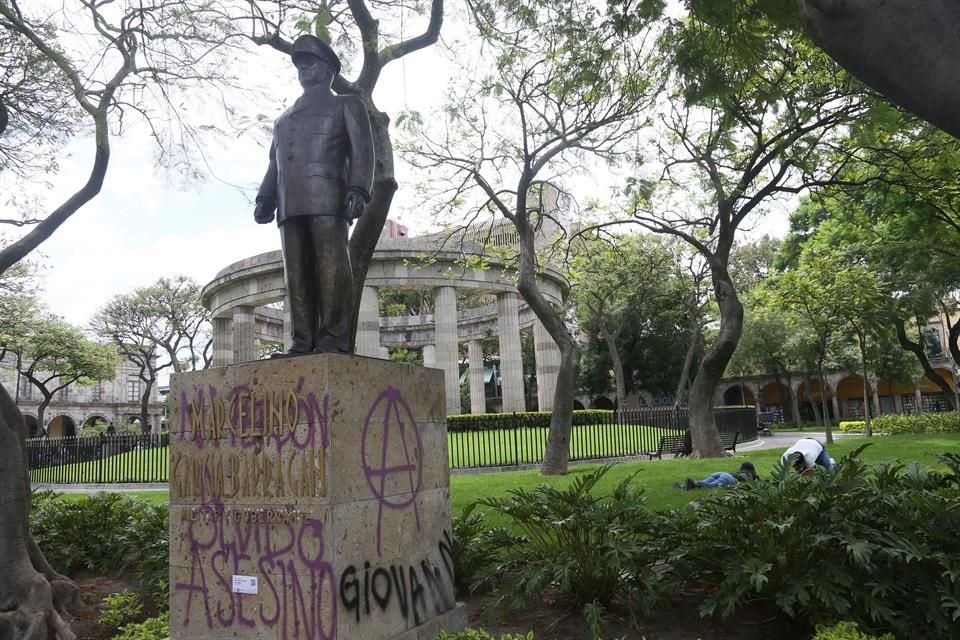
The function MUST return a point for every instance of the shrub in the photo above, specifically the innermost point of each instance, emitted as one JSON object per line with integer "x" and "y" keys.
{"x": 150, "y": 629}
{"x": 846, "y": 631}
{"x": 472, "y": 549}
{"x": 105, "y": 533}
{"x": 120, "y": 608}
{"x": 584, "y": 546}
{"x": 854, "y": 426}
{"x": 874, "y": 545}
{"x": 894, "y": 424}
{"x": 525, "y": 419}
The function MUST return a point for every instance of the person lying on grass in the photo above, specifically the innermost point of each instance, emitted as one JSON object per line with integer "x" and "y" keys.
{"x": 721, "y": 478}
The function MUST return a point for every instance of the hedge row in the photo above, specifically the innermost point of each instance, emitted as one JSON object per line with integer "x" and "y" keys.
{"x": 527, "y": 419}
{"x": 894, "y": 424}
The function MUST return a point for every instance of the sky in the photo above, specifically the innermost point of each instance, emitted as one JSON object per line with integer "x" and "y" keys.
{"x": 146, "y": 224}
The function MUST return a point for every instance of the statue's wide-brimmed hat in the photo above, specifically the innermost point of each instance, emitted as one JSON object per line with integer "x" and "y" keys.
{"x": 314, "y": 46}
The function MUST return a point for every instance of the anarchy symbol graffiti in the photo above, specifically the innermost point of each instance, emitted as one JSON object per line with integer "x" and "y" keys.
{"x": 391, "y": 453}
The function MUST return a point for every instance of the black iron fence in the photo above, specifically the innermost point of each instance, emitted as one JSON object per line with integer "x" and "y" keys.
{"x": 132, "y": 457}
{"x": 515, "y": 441}
{"x": 508, "y": 440}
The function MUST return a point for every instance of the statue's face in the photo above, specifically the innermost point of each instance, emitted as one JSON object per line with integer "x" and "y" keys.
{"x": 312, "y": 71}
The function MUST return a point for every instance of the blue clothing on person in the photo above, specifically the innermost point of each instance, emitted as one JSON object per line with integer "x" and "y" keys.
{"x": 718, "y": 479}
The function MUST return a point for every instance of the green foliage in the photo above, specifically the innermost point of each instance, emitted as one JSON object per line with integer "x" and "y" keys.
{"x": 472, "y": 549}
{"x": 105, "y": 533}
{"x": 120, "y": 608}
{"x": 875, "y": 545}
{"x": 630, "y": 295}
{"x": 527, "y": 419}
{"x": 854, "y": 426}
{"x": 157, "y": 628}
{"x": 918, "y": 423}
{"x": 584, "y": 545}
{"x": 846, "y": 631}
{"x": 480, "y": 634}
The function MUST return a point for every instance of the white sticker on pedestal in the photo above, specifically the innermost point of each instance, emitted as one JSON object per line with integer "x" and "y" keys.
{"x": 245, "y": 584}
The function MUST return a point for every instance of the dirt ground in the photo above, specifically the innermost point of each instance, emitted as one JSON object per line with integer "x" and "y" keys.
{"x": 547, "y": 620}
{"x": 679, "y": 621}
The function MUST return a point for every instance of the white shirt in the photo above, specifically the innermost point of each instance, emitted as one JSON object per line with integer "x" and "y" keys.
{"x": 810, "y": 448}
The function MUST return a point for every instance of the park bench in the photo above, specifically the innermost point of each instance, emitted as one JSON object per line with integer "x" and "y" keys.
{"x": 681, "y": 445}
{"x": 677, "y": 445}
{"x": 729, "y": 441}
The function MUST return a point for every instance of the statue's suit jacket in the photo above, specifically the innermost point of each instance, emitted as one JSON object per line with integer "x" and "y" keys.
{"x": 322, "y": 146}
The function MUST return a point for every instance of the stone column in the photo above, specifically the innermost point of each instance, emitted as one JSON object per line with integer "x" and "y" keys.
{"x": 897, "y": 403}
{"x": 383, "y": 353}
{"x": 445, "y": 337}
{"x": 876, "y": 400}
{"x": 511, "y": 360}
{"x": 836, "y": 409}
{"x": 222, "y": 342}
{"x": 478, "y": 396}
{"x": 430, "y": 356}
{"x": 368, "y": 324}
{"x": 548, "y": 365}
{"x": 244, "y": 335}
{"x": 918, "y": 398}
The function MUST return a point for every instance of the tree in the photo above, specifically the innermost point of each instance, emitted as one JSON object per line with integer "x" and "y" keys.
{"x": 738, "y": 134}
{"x": 54, "y": 355}
{"x": 566, "y": 86}
{"x": 776, "y": 341}
{"x": 163, "y": 319}
{"x": 135, "y": 59}
{"x": 627, "y": 297}
{"x": 354, "y": 24}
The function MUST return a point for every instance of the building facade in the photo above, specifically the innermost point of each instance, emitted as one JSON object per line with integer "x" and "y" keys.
{"x": 77, "y": 408}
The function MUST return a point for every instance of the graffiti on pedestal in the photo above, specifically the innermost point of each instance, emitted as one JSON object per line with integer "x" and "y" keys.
{"x": 394, "y": 470}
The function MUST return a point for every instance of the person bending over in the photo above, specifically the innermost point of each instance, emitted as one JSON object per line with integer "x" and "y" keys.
{"x": 806, "y": 455}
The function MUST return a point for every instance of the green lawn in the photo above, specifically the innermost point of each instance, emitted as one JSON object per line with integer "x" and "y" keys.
{"x": 656, "y": 478}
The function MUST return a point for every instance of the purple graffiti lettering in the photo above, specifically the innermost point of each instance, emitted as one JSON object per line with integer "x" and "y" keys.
{"x": 390, "y": 415}
{"x": 297, "y": 582}
{"x": 253, "y": 419}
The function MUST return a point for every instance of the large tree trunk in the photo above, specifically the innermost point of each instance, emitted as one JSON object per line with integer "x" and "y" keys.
{"x": 145, "y": 407}
{"x": 556, "y": 456}
{"x": 680, "y": 397}
{"x": 617, "y": 365}
{"x": 862, "y": 339}
{"x": 908, "y": 50}
{"x": 917, "y": 349}
{"x": 824, "y": 402}
{"x": 32, "y": 595}
{"x": 817, "y": 418}
{"x": 703, "y": 430}
{"x": 794, "y": 401}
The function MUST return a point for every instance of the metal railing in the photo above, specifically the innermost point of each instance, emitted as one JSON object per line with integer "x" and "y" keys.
{"x": 620, "y": 434}
{"x": 121, "y": 458}
{"x": 130, "y": 458}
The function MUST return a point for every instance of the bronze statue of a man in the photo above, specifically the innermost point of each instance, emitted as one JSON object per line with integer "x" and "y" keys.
{"x": 318, "y": 182}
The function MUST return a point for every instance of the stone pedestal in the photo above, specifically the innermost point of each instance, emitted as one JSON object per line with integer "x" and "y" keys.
{"x": 309, "y": 500}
